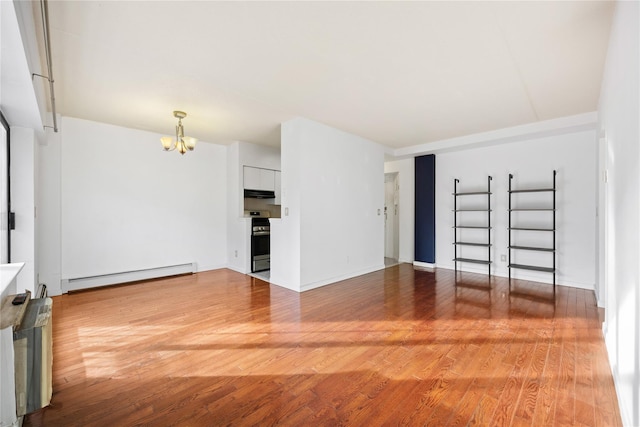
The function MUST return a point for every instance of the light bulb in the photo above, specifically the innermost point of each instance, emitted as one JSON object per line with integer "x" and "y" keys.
{"x": 190, "y": 142}
{"x": 182, "y": 148}
{"x": 167, "y": 142}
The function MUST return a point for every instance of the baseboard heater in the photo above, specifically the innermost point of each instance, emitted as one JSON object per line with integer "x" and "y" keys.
{"x": 79, "y": 283}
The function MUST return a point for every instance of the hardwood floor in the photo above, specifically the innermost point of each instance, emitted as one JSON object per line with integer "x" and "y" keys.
{"x": 398, "y": 346}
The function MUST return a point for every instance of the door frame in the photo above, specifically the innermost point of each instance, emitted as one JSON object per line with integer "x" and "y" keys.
{"x": 7, "y": 128}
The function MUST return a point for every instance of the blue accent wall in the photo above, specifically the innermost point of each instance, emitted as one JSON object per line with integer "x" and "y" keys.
{"x": 425, "y": 215}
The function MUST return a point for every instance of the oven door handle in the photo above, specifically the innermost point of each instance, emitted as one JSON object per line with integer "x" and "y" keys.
{"x": 261, "y": 233}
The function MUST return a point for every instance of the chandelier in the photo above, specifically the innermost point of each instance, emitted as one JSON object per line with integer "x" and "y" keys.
{"x": 181, "y": 142}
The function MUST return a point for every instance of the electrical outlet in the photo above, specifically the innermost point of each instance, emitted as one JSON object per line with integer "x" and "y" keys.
{"x": 286, "y": 211}
{"x": 503, "y": 258}
{"x": 236, "y": 253}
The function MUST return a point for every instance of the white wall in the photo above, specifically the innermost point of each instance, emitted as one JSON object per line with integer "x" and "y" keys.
{"x": 49, "y": 236}
{"x": 127, "y": 205}
{"x": 333, "y": 190}
{"x": 619, "y": 124}
{"x": 285, "y": 233}
{"x": 532, "y": 163}
{"x": 23, "y": 238}
{"x": 19, "y": 105}
{"x": 259, "y": 156}
{"x": 237, "y": 226}
{"x": 406, "y": 205}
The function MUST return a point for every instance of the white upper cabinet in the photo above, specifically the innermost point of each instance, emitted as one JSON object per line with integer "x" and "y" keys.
{"x": 251, "y": 178}
{"x": 278, "y": 190}
{"x": 259, "y": 179}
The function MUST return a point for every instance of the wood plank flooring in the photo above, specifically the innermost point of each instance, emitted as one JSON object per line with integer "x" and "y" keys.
{"x": 395, "y": 347}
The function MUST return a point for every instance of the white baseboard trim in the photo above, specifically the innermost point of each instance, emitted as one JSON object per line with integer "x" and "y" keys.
{"x": 236, "y": 269}
{"x": 280, "y": 284}
{"x": 424, "y": 264}
{"x": 320, "y": 283}
{"x": 521, "y": 275}
{"x": 54, "y": 292}
{"x": 79, "y": 283}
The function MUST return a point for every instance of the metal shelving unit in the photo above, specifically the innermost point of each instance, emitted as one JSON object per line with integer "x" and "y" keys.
{"x": 551, "y": 229}
{"x": 458, "y": 226}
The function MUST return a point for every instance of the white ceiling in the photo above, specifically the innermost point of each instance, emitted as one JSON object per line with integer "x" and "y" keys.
{"x": 398, "y": 73}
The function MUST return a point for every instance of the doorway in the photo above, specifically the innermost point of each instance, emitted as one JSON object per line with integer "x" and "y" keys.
{"x": 391, "y": 219}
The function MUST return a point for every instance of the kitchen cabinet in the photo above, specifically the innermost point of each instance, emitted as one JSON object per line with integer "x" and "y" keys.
{"x": 258, "y": 179}
{"x": 278, "y": 189}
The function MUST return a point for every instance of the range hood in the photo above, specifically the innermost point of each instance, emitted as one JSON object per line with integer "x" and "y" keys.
{"x": 259, "y": 194}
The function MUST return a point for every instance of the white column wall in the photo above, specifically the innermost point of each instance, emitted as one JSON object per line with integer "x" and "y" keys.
{"x": 333, "y": 191}
{"x": 237, "y": 248}
{"x": 285, "y": 233}
{"x": 49, "y": 198}
{"x": 620, "y": 127}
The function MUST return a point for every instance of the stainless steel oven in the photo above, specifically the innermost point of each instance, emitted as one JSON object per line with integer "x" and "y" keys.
{"x": 260, "y": 244}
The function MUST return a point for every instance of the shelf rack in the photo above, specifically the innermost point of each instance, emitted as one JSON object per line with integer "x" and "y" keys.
{"x": 457, "y": 226}
{"x": 552, "y": 230}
